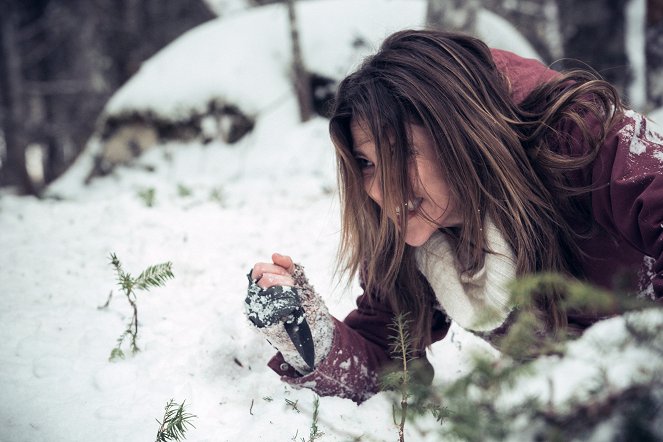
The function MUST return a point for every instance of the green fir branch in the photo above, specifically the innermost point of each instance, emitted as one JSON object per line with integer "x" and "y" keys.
{"x": 153, "y": 276}
{"x": 576, "y": 294}
{"x": 469, "y": 406}
{"x": 401, "y": 344}
{"x": 176, "y": 421}
{"x": 292, "y": 404}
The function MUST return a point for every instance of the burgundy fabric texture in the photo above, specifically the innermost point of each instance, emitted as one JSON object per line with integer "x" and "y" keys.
{"x": 626, "y": 203}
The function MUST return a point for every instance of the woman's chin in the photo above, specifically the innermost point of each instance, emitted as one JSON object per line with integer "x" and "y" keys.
{"x": 417, "y": 237}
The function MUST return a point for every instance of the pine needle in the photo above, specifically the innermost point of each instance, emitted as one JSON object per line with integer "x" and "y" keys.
{"x": 154, "y": 276}
{"x": 175, "y": 423}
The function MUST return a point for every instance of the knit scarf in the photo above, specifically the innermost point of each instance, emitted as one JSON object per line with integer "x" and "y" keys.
{"x": 479, "y": 302}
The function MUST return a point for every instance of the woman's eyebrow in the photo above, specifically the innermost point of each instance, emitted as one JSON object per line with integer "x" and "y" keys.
{"x": 360, "y": 138}
{"x": 358, "y": 145}
{"x": 359, "y": 151}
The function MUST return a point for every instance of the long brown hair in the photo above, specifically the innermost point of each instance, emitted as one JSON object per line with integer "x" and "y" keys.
{"x": 500, "y": 160}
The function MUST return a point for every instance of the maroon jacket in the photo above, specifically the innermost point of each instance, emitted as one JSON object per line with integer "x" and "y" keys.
{"x": 627, "y": 203}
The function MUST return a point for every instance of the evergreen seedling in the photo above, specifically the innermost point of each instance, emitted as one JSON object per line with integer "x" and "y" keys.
{"x": 218, "y": 195}
{"x": 183, "y": 191}
{"x": 148, "y": 196}
{"x": 153, "y": 276}
{"x": 401, "y": 350}
{"x": 175, "y": 423}
{"x": 315, "y": 433}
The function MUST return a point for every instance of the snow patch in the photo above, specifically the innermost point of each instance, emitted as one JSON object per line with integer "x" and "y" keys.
{"x": 646, "y": 277}
{"x": 632, "y": 133}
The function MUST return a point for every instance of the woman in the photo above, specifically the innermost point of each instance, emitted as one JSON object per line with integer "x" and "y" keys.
{"x": 460, "y": 168}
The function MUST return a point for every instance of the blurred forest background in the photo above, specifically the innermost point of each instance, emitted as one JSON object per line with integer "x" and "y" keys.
{"x": 61, "y": 60}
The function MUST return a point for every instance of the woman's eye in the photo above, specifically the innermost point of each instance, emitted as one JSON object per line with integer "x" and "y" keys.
{"x": 364, "y": 164}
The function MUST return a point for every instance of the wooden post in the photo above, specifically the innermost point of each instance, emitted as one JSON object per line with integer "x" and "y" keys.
{"x": 301, "y": 78}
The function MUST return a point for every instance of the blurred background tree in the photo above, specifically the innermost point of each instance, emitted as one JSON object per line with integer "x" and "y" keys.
{"x": 60, "y": 61}
{"x": 572, "y": 34}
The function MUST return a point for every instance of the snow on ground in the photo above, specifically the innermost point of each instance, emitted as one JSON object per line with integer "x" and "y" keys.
{"x": 274, "y": 192}
{"x": 217, "y": 209}
{"x": 656, "y": 115}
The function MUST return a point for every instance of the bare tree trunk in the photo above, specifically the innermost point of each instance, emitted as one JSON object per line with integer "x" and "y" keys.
{"x": 593, "y": 32}
{"x": 301, "y": 78}
{"x": 654, "y": 53}
{"x": 537, "y": 20}
{"x": 452, "y": 15}
{"x": 14, "y": 172}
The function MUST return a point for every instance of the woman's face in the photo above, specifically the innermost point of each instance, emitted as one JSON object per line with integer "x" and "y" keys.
{"x": 431, "y": 207}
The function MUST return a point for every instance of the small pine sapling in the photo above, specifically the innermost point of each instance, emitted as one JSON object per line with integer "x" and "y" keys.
{"x": 401, "y": 350}
{"x": 175, "y": 423}
{"x": 315, "y": 433}
{"x": 153, "y": 276}
{"x": 148, "y": 196}
{"x": 183, "y": 190}
{"x": 218, "y": 195}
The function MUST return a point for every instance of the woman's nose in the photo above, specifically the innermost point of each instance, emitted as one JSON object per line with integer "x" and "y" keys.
{"x": 374, "y": 190}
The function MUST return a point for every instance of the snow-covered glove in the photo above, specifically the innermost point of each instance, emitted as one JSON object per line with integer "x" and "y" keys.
{"x": 295, "y": 320}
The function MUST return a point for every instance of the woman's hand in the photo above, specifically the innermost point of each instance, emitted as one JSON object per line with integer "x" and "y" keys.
{"x": 278, "y": 272}
{"x": 284, "y": 307}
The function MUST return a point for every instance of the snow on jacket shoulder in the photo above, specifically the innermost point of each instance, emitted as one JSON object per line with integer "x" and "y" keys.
{"x": 628, "y": 204}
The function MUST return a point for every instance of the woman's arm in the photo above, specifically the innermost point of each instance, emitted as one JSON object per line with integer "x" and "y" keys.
{"x": 628, "y": 200}
{"x": 359, "y": 353}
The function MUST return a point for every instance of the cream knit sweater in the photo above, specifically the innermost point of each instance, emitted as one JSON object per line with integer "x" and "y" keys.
{"x": 479, "y": 302}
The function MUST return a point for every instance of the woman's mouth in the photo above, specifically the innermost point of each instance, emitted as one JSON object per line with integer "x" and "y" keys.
{"x": 413, "y": 205}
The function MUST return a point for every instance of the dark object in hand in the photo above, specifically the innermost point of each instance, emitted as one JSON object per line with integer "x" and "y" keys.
{"x": 266, "y": 307}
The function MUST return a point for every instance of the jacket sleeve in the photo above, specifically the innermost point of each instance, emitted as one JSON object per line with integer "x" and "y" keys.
{"x": 628, "y": 196}
{"x": 359, "y": 352}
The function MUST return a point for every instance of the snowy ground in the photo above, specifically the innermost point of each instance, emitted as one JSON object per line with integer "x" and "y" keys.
{"x": 217, "y": 210}
{"x": 246, "y": 201}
